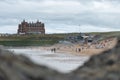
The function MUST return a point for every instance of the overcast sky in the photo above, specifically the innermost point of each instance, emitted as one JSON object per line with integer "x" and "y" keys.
{"x": 61, "y": 16}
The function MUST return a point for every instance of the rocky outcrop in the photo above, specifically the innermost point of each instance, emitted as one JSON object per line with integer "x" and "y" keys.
{"x": 105, "y": 66}
{"x": 19, "y": 67}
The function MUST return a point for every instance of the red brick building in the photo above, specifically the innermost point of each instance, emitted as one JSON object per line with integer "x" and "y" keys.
{"x": 31, "y": 28}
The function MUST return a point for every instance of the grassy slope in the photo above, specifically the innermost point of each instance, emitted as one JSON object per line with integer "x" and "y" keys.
{"x": 29, "y": 40}
{"x": 48, "y": 39}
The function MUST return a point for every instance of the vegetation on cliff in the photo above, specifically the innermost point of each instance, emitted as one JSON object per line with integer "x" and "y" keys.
{"x": 30, "y": 40}
{"x": 47, "y": 39}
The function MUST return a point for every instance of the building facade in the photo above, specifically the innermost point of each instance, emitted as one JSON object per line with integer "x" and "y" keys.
{"x": 31, "y": 28}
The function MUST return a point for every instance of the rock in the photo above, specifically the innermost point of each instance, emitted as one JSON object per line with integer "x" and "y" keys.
{"x": 19, "y": 67}
{"x": 105, "y": 66}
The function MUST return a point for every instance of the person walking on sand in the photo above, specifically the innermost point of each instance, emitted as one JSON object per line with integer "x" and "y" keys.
{"x": 54, "y": 49}
{"x": 76, "y": 50}
{"x": 51, "y": 50}
{"x": 79, "y": 50}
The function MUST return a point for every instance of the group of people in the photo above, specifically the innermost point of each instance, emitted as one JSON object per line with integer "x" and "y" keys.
{"x": 83, "y": 48}
{"x": 103, "y": 44}
{"x": 78, "y": 49}
{"x": 53, "y": 50}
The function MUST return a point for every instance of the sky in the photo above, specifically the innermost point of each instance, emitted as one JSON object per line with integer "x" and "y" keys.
{"x": 61, "y": 16}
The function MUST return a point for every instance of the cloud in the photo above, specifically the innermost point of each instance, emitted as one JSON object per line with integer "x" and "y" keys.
{"x": 63, "y": 15}
{"x": 8, "y": 29}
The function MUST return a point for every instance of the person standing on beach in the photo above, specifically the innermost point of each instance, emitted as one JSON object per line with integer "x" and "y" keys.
{"x": 79, "y": 50}
{"x": 54, "y": 49}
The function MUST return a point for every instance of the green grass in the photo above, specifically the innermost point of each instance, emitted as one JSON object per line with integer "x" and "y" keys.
{"x": 28, "y": 43}
{"x": 47, "y": 39}
{"x": 30, "y": 40}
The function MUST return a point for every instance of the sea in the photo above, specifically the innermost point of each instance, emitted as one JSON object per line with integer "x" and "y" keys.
{"x": 61, "y": 62}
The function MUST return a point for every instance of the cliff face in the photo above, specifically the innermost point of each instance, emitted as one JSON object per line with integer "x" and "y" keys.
{"x": 105, "y": 66}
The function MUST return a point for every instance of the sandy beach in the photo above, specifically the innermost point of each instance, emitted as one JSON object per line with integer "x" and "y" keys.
{"x": 70, "y": 55}
{"x": 80, "y": 49}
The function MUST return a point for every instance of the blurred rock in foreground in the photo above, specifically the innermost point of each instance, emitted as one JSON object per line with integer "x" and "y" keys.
{"x": 105, "y": 66}
{"x": 19, "y": 67}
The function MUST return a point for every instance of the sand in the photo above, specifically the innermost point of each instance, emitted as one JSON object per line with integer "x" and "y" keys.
{"x": 86, "y": 49}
